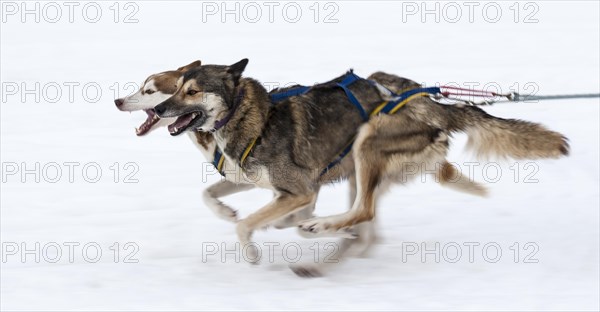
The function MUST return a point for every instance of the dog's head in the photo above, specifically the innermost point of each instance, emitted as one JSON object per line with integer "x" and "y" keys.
{"x": 154, "y": 90}
{"x": 206, "y": 95}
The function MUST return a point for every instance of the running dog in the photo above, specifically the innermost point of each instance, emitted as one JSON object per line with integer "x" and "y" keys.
{"x": 284, "y": 147}
{"x": 158, "y": 87}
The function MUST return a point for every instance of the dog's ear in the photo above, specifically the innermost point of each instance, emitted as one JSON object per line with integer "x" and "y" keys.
{"x": 189, "y": 66}
{"x": 237, "y": 69}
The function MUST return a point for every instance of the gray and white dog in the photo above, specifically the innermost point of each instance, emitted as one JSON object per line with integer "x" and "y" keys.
{"x": 285, "y": 146}
{"x": 160, "y": 86}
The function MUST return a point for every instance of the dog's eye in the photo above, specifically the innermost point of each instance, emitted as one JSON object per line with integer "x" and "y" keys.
{"x": 149, "y": 91}
{"x": 192, "y": 92}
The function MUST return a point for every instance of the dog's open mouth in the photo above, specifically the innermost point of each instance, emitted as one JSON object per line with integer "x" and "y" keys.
{"x": 151, "y": 120}
{"x": 183, "y": 122}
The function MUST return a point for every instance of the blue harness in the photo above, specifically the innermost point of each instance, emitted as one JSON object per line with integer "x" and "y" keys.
{"x": 218, "y": 160}
{"x": 387, "y": 107}
{"x": 280, "y": 96}
{"x": 348, "y": 80}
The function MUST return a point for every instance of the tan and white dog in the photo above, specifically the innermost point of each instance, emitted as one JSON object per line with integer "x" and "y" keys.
{"x": 157, "y": 88}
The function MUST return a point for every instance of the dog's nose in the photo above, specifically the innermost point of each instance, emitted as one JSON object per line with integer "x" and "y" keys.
{"x": 119, "y": 102}
{"x": 160, "y": 109}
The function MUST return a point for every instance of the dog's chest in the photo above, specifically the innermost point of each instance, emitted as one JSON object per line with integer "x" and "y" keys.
{"x": 208, "y": 150}
{"x": 259, "y": 176}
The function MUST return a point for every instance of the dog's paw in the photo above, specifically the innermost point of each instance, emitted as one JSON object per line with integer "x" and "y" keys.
{"x": 343, "y": 233}
{"x": 306, "y": 271}
{"x": 322, "y": 227}
{"x": 227, "y": 213}
{"x": 315, "y": 226}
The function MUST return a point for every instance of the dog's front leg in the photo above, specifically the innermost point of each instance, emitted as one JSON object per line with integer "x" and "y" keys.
{"x": 293, "y": 219}
{"x": 222, "y": 188}
{"x": 280, "y": 206}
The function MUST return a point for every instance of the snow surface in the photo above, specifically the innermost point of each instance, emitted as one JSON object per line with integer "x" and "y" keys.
{"x": 163, "y": 213}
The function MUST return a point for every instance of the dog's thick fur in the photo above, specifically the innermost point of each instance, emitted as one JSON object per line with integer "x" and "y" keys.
{"x": 163, "y": 85}
{"x": 159, "y": 86}
{"x": 301, "y": 135}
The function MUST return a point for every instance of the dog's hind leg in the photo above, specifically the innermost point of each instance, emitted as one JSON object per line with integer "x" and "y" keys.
{"x": 368, "y": 175}
{"x": 447, "y": 175}
{"x": 365, "y": 232}
{"x": 365, "y": 236}
{"x": 222, "y": 188}
{"x": 359, "y": 247}
{"x": 306, "y": 216}
{"x": 280, "y": 206}
{"x": 383, "y": 151}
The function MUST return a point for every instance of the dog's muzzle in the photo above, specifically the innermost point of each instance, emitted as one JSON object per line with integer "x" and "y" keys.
{"x": 160, "y": 109}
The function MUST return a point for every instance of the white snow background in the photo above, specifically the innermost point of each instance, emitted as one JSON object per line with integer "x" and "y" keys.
{"x": 163, "y": 214}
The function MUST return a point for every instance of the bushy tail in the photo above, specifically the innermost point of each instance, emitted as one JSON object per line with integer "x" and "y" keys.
{"x": 491, "y": 136}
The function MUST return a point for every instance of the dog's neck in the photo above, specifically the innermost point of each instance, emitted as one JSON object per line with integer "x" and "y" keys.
{"x": 247, "y": 121}
{"x": 236, "y": 103}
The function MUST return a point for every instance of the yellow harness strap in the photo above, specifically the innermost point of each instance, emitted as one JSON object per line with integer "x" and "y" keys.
{"x": 399, "y": 105}
{"x": 247, "y": 151}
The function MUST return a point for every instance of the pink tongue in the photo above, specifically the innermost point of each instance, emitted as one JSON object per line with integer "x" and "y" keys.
{"x": 181, "y": 122}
